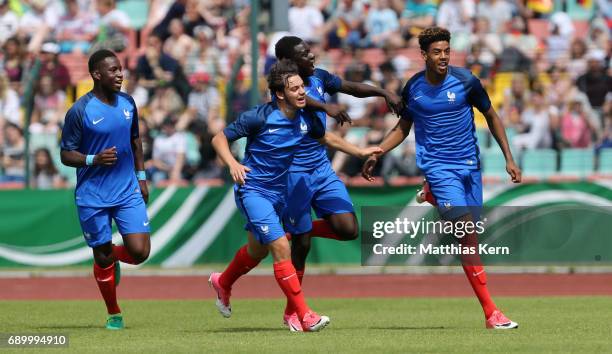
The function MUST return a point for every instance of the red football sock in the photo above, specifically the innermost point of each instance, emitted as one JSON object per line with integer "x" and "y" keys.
{"x": 287, "y": 279}
{"x": 321, "y": 228}
{"x": 239, "y": 266}
{"x": 121, "y": 254}
{"x": 289, "y": 309}
{"x": 473, "y": 269}
{"x": 478, "y": 279}
{"x": 105, "y": 277}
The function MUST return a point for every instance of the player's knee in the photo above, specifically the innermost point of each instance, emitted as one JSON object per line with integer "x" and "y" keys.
{"x": 348, "y": 232}
{"x": 140, "y": 255}
{"x": 301, "y": 244}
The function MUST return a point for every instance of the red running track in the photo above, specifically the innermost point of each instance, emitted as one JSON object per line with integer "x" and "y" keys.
{"x": 330, "y": 286}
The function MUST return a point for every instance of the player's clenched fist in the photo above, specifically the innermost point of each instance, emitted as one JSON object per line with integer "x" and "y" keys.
{"x": 368, "y": 167}
{"x": 107, "y": 157}
{"x": 238, "y": 173}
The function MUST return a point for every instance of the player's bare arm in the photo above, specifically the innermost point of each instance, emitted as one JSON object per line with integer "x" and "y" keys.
{"x": 499, "y": 133}
{"x": 392, "y": 140}
{"x": 361, "y": 90}
{"x": 237, "y": 170}
{"x": 335, "y": 111}
{"x": 73, "y": 158}
{"x": 334, "y": 141}
{"x": 139, "y": 166}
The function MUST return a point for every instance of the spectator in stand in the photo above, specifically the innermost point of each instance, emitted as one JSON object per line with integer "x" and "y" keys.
{"x": 596, "y": 82}
{"x": 536, "y": 122}
{"x": 49, "y": 107}
{"x": 12, "y": 153}
{"x": 12, "y": 62}
{"x": 156, "y": 68}
{"x": 114, "y": 27}
{"x": 164, "y": 103}
{"x": 9, "y": 22}
{"x": 559, "y": 87}
{"x": 456, "y": 16}
{"x": 51, "y": 66}
{"x": 381, "y": 25}
{"x": 575, "y": 127}
{"x": 305, "y": 21}
{"x": 175, "y": 11}
{"x": 35, "y": 24}
{"x": 403, "y": 161}
{"x": 76, "y": 30}
{"x": 485, "y": 47}
{"x": 203, "y": 106}
{"x": 519, "y": 47}
{"x": 345, "y": 26}
{"x": 45, "y": 175}
{"x": 205, "y": 57}
{"x": 497, "y": 12}
{"x": 9, "y": 103}
{"x": 139, "y": 94}
{"x": 558, "y": 45}
{"x": 417, "y": 15}
{"x": 169, "y": 150}
{"x": 577, "y": 58}
{"x": 178, "y": 45}
{"x": 359, "y": 109}
{"x": 599, "y": 36}
{"x": 516, "y": 99}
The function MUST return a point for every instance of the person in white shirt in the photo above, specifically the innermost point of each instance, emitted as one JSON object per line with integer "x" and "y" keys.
{"x": 305, "y": 21}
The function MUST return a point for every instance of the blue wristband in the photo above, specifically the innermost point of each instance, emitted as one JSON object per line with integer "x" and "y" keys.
{"x": 141, "y": 175}
{"x": 89, "y": 160}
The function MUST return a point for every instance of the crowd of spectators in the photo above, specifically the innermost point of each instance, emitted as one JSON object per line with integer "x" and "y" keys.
{"x": 188, "y": 69}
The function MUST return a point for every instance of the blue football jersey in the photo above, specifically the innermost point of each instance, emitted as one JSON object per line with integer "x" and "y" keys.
{"x": 312, "y": 154}
{"x": 443, "y": 119}
{"x": 272, "y": 141}
{"x": 92, "y": 126}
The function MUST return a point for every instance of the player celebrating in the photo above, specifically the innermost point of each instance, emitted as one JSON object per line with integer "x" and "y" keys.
{"x": 312, "y": 181}
{"x": 439, "y": 101}
{"x": 274, "y": 132}
{"x": 100, "y": 138}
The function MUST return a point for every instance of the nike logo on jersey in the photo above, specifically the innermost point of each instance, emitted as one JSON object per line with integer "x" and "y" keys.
{"x": 98, "y": 121}
{"x": 320, "y": 90}
{"x": 273, "y": 130}
{"x": 417, "y": 97}
{"x": 127, "y": 114}
{"x": 146, "y": 223}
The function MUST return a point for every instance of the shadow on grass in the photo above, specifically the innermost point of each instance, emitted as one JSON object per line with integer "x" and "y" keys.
{"x": 409, "y": 328}
{"x": 245, "y": 330}
{"x": 91, "y": 326}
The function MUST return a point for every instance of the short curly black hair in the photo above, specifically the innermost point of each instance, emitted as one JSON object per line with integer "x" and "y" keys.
{"x": 97, "y": 57}
{"x": 280, "y": 73}
{"x": 431, "y": 35}
{"x": 285, "y": 47}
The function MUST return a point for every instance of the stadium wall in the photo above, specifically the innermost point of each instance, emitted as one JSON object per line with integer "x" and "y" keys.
{"x": 201, "y": 225}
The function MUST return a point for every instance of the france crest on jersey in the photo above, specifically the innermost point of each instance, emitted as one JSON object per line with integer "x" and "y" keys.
{"x": 444, "y": 119}
{"x": 272, "y": 142}
{"x": 311, "y": 154}
{"x": 92, "y": 126}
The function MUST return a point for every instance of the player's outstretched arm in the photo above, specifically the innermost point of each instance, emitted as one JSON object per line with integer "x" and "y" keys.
{"x": 73, "y": 158}
{"x": 361, "y": 90}
{"x": 336, "y": 142}
{"x": 335, "y": 111}
{"x": 499, "y": 133}
{"x": 221, "y": 146}
{"x": 393, "y": 139}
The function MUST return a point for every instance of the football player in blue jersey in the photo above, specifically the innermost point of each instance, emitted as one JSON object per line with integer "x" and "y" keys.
{"x": 274, "y": 132}
{"x": 312, "y": 181}
{"x": 100, "y": 138}
{"x": 439, "y": 102}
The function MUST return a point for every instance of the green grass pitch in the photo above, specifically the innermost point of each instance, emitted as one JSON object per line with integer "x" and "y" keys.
{"x": 547, "y": 324}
